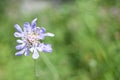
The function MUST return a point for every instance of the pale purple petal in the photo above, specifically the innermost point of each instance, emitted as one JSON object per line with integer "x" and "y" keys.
{"x": 42, "y": 30}
{"x": 41, "y": 36}
{"x": 35, "y": 54}
{"x": 16, "y": 34}
{"x": 20, "y": 46}
{"x": 33, "y": 23}
{"x": 18, "y": 28}
{"x": 40, "y": 47}
{"x": 19, "y": 41}
{"x": 27, "y": 52}
{"x": 20, "y": 52}
{"x": 32, "y": 49}
{"x": 38, "y": 30}
{"x": 47, "y": 48}
{"x": 27, "y": 27}
{"x": 49, "y": 34}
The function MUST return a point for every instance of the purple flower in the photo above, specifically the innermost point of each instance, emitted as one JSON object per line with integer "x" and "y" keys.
{"x": 30, "y": 39}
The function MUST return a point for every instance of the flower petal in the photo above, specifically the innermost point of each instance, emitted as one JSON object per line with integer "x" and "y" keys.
{"x": 33, "y": 23}
{"x": 20, "y": 52}
{"x": 16, "y": 34}
{"x": 35, "y": 54}
{"x": 41, "y": 36}
{"x": 47, "y": 48}
{"x": 40, "y": 33}
{"x": 19, "y": 41}
{"x": 27, "y": 27}
{"x": 40, "y": 47}
{"x": 42, "y": 30}
{"x": 21, "y": 46}
{"x": 32, "y": 49}
{"x": 18, "y": 28}
{"x": 27, "y": 52}
{"x": 49, "y": 34}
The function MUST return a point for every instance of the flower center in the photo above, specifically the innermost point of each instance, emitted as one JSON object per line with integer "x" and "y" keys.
{"x": 32, "y": 38}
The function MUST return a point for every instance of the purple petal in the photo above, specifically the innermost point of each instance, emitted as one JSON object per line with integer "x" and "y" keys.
{"x": 16, "y": 34}
{"x": 47, "y": 48}
{"x": 19, "y": 41}
{"x": 20, "y": 52}
{"x": 41, "y": 36}
{"x": 40, "y": 47}
{"x": 38, "y": 30}
{"x": 42, "y": 30}
{"x": 18, "y": 28}
{"x": 32, "y": 49}
{"x": 35, "y": 54}
{"x": 49, "y": 34}
{"x": 27, "y": 27}
{"x": 21, "y": 46}
{"x": 33, "y": 23}
{"x": 27, "y": 52}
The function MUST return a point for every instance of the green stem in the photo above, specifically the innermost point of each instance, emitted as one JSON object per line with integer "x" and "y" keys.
{"x": 35, "y": 71}
{"x": 50, "y": 66}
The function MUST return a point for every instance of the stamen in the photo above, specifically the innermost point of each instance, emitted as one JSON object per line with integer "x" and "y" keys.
{"x": 32, "y": 38}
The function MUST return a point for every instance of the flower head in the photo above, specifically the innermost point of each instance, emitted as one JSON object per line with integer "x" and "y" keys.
{"x": 30, "y": 38}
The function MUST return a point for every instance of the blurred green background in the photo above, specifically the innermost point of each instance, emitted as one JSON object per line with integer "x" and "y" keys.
{"x": 86, "y": 45}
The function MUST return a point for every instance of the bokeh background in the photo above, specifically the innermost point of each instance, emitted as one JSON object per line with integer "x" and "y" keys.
{"x": 86, "y": 45}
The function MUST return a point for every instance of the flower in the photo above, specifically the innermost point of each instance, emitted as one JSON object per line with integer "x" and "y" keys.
{"x": 30, "y": 38}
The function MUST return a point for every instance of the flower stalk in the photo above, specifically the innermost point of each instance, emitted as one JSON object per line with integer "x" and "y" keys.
{"x": 50, "y": 66}
{"x": 35, "y": 71}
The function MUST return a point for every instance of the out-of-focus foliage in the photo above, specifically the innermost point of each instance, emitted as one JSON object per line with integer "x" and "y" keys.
{"x": 86, "y": 45}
